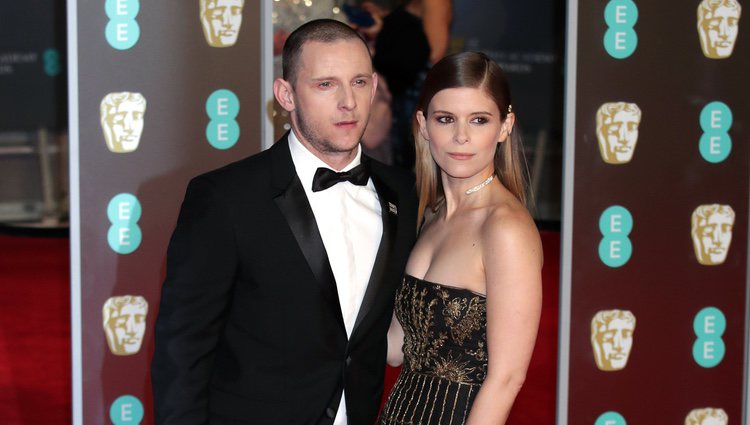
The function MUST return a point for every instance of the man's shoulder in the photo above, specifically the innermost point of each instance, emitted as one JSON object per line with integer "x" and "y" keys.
{"x": 245, "y": 171}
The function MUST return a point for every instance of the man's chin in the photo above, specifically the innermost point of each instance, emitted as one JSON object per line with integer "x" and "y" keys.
{"x": 347, "y": 142}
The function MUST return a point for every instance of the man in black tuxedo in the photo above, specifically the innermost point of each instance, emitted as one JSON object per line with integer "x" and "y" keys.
{"x": 281, "y": 273}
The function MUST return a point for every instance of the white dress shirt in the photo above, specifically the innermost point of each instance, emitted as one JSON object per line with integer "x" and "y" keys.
{"x": 350, "y": 224}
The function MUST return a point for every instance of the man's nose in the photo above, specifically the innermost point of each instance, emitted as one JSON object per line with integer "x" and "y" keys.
{"x": 347, "y": 100}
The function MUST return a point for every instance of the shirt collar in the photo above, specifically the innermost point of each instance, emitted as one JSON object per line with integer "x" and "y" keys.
{"x": 306, "y": 163}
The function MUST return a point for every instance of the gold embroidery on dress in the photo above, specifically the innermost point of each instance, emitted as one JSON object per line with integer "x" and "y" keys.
{"x": 445, "y": 354}
{"x": 453, "y": 370}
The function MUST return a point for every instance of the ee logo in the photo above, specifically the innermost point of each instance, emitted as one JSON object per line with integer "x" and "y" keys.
{"x": 615, "y": 224}
{"x": 126, "y": 410}
{"x": 222, "y": 107}
{"x": 610, "y": 418}
{"x": 620, "y": 40}
{"x": 709, "y": 325}
{"x": 122, "y": 31}
{"x": 124, "y": 234}
{"x": 51, "y": 59}
{"x": 716, "y": 120}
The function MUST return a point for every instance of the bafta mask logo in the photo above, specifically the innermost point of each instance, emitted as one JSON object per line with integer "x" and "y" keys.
{"x": 612, "y": 338}
{"x": 121, "y": 115}
{"x": 617, "y": 131}
{"x": 718, "y": 24}
{"x": 707, "y": 416}
{"x": 125, "y": 323}
{"x": 221, "y": 21}
{"x": 712, "y": 233}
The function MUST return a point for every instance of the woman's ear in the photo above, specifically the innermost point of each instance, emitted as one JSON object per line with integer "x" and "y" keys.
{"x": 507, "y": 127}
{"x": 284, "y": 94}
{"x": 422, "y": 121}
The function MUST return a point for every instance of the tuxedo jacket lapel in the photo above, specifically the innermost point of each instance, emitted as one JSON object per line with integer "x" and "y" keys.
{"x": 389, "y": 212}
{"x": 295, "y": 207}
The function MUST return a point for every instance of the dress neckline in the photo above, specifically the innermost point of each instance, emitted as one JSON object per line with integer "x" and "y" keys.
{"x": 456, "y": 288}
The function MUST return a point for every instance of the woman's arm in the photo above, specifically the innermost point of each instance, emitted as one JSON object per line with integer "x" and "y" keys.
{"x": 395, "y": 343}
{"x": 512, "y": 257}
{"x": 436, "y": 22}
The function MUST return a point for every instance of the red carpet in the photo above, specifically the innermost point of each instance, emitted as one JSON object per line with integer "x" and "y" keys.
{"x": 34, "y": 331}
{"x": 35, "y": 336}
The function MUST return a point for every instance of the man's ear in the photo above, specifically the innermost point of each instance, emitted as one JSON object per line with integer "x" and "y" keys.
{"x": 284, "y": 94}
{"x": 374, "y": 86}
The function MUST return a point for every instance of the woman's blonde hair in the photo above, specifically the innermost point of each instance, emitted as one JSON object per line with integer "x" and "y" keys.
{"x": 472, "y": 70}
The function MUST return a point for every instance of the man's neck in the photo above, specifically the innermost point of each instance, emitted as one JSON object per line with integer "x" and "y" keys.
{"x": 336, "y": 160}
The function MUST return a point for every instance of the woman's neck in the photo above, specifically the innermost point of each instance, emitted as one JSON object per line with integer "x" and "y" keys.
{"x": 463, "y": 194}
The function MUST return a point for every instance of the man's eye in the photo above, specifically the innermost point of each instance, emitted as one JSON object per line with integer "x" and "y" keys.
{"x": 360, "y": 83}
{"x": 325, "y": 84}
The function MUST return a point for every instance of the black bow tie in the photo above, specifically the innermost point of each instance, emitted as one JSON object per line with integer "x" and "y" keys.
{"x": 325, "y": 177}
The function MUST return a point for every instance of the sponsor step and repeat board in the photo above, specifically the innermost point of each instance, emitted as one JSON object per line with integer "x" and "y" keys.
{"x": 159, "y": 92}
{"x": 655, "y": 230}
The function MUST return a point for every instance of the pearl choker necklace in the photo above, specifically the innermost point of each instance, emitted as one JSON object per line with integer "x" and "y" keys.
{"x": 480, "y": 186}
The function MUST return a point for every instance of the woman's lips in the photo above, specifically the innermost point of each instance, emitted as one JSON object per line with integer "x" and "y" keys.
{"x": 460, "y": 156}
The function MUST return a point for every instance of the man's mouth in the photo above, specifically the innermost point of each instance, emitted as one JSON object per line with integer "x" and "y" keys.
{"x": 348, "y": 125}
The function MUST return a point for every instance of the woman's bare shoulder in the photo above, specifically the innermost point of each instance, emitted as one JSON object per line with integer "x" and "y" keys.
{"x": 509, "y": 226}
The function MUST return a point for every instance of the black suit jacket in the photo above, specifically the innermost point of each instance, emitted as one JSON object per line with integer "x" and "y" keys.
{"x": 250, "y": 329}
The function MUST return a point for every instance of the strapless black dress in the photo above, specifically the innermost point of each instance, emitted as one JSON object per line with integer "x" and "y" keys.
{"x": 445, "y": 354}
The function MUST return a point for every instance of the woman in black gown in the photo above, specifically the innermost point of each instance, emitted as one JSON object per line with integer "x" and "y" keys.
{"x": 468, "y": 309}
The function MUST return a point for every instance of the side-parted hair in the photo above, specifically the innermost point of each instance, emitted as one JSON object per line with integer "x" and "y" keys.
{"x": 322, "y": 30}
{"x": 468, "y": 70}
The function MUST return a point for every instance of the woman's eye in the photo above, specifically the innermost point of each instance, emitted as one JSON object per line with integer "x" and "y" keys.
{"x": 479, "y": 120}
{"x": 444, "y": 119}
